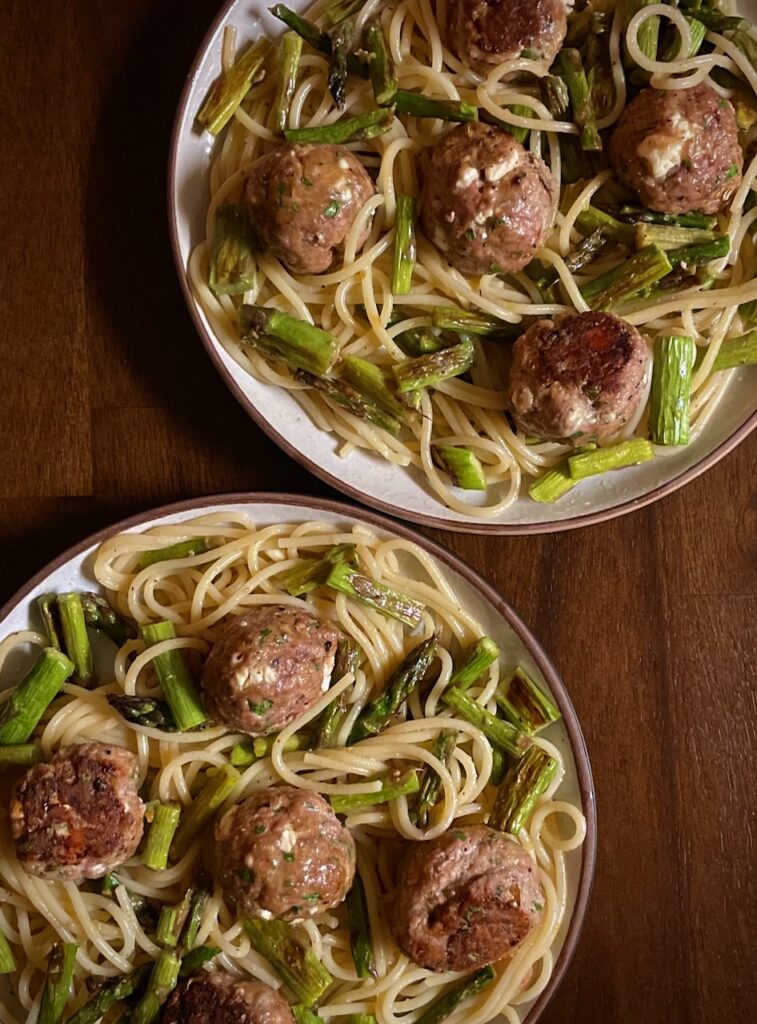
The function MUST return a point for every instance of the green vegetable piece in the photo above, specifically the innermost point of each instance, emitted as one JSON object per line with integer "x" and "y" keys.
{"x": 60, "y": 976}
{"x": 375, "y": 595}
{"x": 203, "y": 807}
{"x": 230, "y": 89}
{"x": 380, "y": 66}
{"x": 626, "y": 453}
{"x": 572, "y": 70}
{"x": 174, "y": 678}
{"x": 623, "y": 282}
{"x": 739, "y": 351}
{"x": 446, "y": 1004}
{"x": 415, "y": 104}
{"x": 75, "y": 637}
{"x": 502, "y": 734}
{"x": 404, "y": 246}
{"x": 197, "y": 958}
{"x": 297, "y": 342}
{"x": 404, "y": 681}
{"x": 373, "y": 383}
{"x": 21, "y": 714}
{"x": 145, "y": 711}
{"x": 442, "y": 748}
{"x": 233, "y": 271}
{"x": 164, "y": 820}
{"x": 394, "y": 785}
{"x": 351, "y": 398}
{"x": 704, "y": 252}
{"x": 25, "y": 754}
{"x": 7, "y": 957}
{"x": 429, "y": 371}
{"x": 289, "y": 53}
{"x": 519, "y": 793}
{"x": 351, "y": 129}
{"x": 473, "y": 662}
{"x": 111, "y": 992}
{"x": 360, "y": 930}
{"x": 463, "y": 465}
{"x": 466, "y": 321}
{"x": 670, "y": 396}
{"x": 313, "y": 572}
{"x": 525, "y": 704}
{"x": 162, "y": 981}
{"x": 299, "y": 969}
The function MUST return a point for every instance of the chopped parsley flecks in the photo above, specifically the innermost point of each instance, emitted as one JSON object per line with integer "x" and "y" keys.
{"x": 732, "y": 171}
{"x": 246, "y": 875}
{"x": 259, "y": 707}
{"x": 289, "y": 857}
{"x": 332, "y": 209}
{"x": 259, "y": 830}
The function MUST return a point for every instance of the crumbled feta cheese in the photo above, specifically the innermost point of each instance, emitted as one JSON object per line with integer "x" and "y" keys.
{"x": 467, "y": 176}
{"x": 288, "y": 839}
{"x": 663, "y": 151}
{"x": 499, "y": 170}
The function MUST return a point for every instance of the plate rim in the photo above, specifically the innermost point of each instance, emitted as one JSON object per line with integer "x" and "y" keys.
{"x": 474, "y": 579}
{"x": 210, "y": 344}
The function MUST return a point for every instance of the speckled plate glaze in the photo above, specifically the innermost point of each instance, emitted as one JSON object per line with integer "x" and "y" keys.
{"x": 73, "y": 571}
{"x": 366, "y": 477}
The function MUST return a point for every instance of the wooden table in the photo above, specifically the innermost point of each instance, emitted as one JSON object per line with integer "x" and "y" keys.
{"x": 111, "y": 406}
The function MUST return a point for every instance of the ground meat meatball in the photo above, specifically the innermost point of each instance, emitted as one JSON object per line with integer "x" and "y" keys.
{"x": 679, "y": 149}
{"x": 283, "y": 853}
{"x": 487, "y": 202}
{"x": 217, "y": 997}
{"x": 491, "y": 31}
{"x": 579, "y": 379}
{"x": 465, "y": 899}
{"x": 268, "y": 667}
{"x": 303, "y": 202}
{"x": 79, "y": 815}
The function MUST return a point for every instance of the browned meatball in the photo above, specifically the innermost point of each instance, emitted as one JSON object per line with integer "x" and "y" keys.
{"x": 465, "y": 899}
{"x": 487, "y": 202}
{"x": 217, "y": 997}
{"x": 679, "y": 149}
{"x": 79, "y": 815}
{"x": 283, "y": 853}
{"x": 303, "y": 202}
{"x": 268, "y": 667}
{"x": 491, "y": 31}
{"x": 577, "y": 379}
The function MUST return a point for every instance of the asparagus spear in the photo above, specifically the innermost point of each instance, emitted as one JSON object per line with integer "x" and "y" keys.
{"x": 518, "y": 795}
{"x": 737, "y": 352}
{"x": 162, "y": 981}
{"x": 626, "y": 453}
{"x": 393, "y": 785}
{"x": 525, "y": 704}
{"x": 744, "y": 41}
{"x": 203, "y": 807}
{"x": 263, "y": 745}
{"x": 164, "y": 820}
{"x": 231, "y": 88}
{"x": 145, "y": 711}
{"x": 500, "y": 762}
{"x": 466, "y": 321}
{"x": 671, "y": 389}
{"x": 638, "y": 214}
{"x": 502, "y": 734}
{"x": 693, "y": 255}
{"x": 48, "y": 610}
{"x": 419, "y": 341}
{"x": 649, "y": 32}
{"x": 60, "y": 976}
{"x": 670, "y": 237}
{"x": 75, "y": 638}
{"x": 404, "y": 681}
{"x": 380, "y": 66}
{"x": 573, "y": 72}
{"x": 444, "y": 1006}
{"x": 415, "y": 104}
{"x": 172, "y": 919}
{"x": 348, "y": 656}
{"x": 429, "y": 371}
{"x": 111, "y": 992}
{"x": 196, "y": 958}
{"x": 303, "y": 1015}
{"x": 20, "y": 715}
{"x": 575, "y": 162}
{"x": 233, "y": 270}
{"x": 144, "y": 911}
{"x": 290, "y": 51}
{"x": 555, "y": 96}
{"x": 404, "y": 246}
{"x": 341, "y": 44}
{"x": 586, "y": 251}
{"x": 375, "y": 595}
{"x": 362, "y": 1018}
{"x": 99, "y": 615}
{"x": 174, "y": 678}
{"x": 26, "y": 754}
{"x": 442, "y": 748}
{"x": 474, "y": 661}
{"x": 623, "y": 282}
{"x": 372, "y": 382}
{"x": 351, "y": 129}
{"x": 7, "y": 958}
{"x": 552, "y": 484}
{"x": 359, "y": 928}
{"x": 298, "y": 968}
{"x": 197, "y": 904}
{"x": 462, "y": 464}
{"x": 591, "y": 220}
{"x": 697, "y": 32}
{"x": 599, "y": 74}
{"x": 716, "y": 21}
{"x": 579, "y": 23}
{"x": 313, "y": 572}
{"x": 297, "y": 342}
{"x": 349, "y": 397}
{"x": 310, "y": 32}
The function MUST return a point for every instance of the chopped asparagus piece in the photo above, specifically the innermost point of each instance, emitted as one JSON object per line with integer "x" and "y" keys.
{"x": 525, "y": 704}
{"x": 174, "y": 678}
{"x": 313, "y": 572}
{"x": 197, "y": 958}
{"x": 380, "y": 64}
{"x": 716, "y": 21}
{"x": 7, "y": 957}
{"x": 348, "y": 655}
{"x": 649, "y": 32}
{"x": 580, "y": 22}
{"x": 473, "y": 662}
{"x": 373, "y": 383}
{"x": 75, "y": 638}
{"x": 623, "y": 282}
{"x": 99, "y": 616}
{"x": 171, "y": 921}
{"x": 162, "y": 981}
{"x": 552, "y": 484}
{"x": 572, "y": 68}
{"x": 307, "y": 30}
{"x": 341, "y": 44}
{"x": 393, "y": 785}
{"x": 146, "y": 711}
{"x": 164, "y": 820}
{"x": 303, "y": 1015}
{"x": 578, "y": 260}
{"x": 693, "y": 255}
{"x": 25, "y": 754}
{"x": 671, "y": 389}
{"x": 360, "y": 930}
{"x": 519, "y": 793}
{"x": 375, "y": 595}
{"x": 182, "y": 549}
{"x": 463, "y": 466}
{"x": 233, "y": 269}
{"x": 500, "y": 764}
{"x": 627, "y": 453}
{"x": 697, "y": 32}
{"x": 263, "y": 745}
{"x": 419, "y": 341}
{"x": 638, "y": 214}
{"x": 338, "y": 10}
{"x": 466, "y": 321}
{"x": 290, "y": 51}
{"x": 60, "y": 976}
{"x": 670, "y": 237}
{"x": 429, "y": 371}
{"x": 197, "y": 904}
{"x": 739, "y": 351}
{"x": 351, "y": 398}
{"x": 297, "y": 342}
{"x": 442, "y": 748}
{"x": 415, "y": 104}
{"x": 404, "y": 681}
{"x": 230, "y": 89}
{"x": 21, "y": 714}
{"x": 444, "y": 1006}
{"x": 404, "y": 246}
{"x": 111, "y": 992}
{"x": 203, "y": 807}
{"x": 351, "y": 129}
{"x": 503, "y": 734}
{"x": 144, "y": 911}
{"x": 48, "y": 610}
{"x": 362, "y": 1018}
{"x": 555, "y": 96}
{"x": 591, "y": 219}
{"x": 298, "y": 968}
{"x": 745, "y": 42}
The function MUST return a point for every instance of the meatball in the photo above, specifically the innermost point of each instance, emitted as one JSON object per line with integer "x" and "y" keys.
{"x": 283, "y": 853}
{"x": 487, "y": 202}
{"x": 491, "y": 31}
{"x": 465, "y": 899}
{"x": 679, "y": 149}
{"x": 580, "y": 378}
{"x": 303, "y": 201}
{"x": 79, "y": 815}
{"x": 217, "y": 997}
{"x": 268, "y": 667}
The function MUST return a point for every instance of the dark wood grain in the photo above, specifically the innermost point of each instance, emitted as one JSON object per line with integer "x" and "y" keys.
{"x": 110, "y": 405}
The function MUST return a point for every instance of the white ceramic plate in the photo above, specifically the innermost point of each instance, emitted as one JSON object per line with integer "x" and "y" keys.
{"x": 366, "y": 477}
{"x": 73, "y": 571}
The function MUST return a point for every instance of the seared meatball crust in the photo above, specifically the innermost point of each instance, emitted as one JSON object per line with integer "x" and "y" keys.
{"x": 679, "y": 149}
{"x": 465, "y": 899}
{"x": 268, "y": 667}
{"x": 217, "y": 997}
{"x": 578, "y": 379}
{"x": 487, "y": 202}
{"x": 78, "y": 815}
{"x": 492, "y": 31}
{"x": 283, "y": 853}
{"x": 303, "y": 200}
